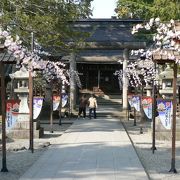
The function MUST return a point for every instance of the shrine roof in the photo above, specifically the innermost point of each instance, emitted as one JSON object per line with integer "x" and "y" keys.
{"x": 6, "y": 57}
{"x": 107, "y": 30}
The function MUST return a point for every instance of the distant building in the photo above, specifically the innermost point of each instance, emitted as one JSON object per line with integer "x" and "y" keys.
{"x": 98, "y": 59}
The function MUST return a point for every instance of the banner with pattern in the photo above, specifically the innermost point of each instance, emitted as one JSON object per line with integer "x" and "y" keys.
{"x": 164, "y": 108}
{"x": 56, "y": 102}
{"x": 12, "y": 111}
{"x": 136, "y": 102}
{"x": 64, "y": 99}
{"x": 147, "y": 106}
{"x": 130, "y": 100}
{"x": 37, "y": 106}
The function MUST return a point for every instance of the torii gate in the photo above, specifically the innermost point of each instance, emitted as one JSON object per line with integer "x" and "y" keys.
{"x": 126, "y": 46}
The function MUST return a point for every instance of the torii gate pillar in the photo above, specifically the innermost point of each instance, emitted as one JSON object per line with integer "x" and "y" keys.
{"x": 72, "y": 64}
{"x": 125, "y": 80}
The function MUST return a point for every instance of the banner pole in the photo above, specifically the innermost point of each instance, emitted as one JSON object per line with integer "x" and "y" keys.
{"x": 60, "y": 105}
{"x": 173, "y": 160}
{"x": 153, "y": 113}
{"x": 3, "y": 105}
{"x": 141, "y": 110}
{"x": 31, "y": 125}
{"x": 51, "y": 110}
{"x": 134, "y": 116}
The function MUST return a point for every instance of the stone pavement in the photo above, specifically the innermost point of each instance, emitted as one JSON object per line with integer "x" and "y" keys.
{"x": 97, "y": 149}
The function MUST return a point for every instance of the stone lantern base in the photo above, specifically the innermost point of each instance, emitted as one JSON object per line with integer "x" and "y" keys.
{"x": 165, "y": 134}
{"x": 21, "y": 129}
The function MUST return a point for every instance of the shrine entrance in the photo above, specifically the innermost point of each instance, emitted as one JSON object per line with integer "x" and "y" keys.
{"x": 99, "y": 78}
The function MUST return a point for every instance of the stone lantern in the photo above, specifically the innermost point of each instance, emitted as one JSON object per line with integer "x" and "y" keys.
{"x": 21, "y": 90}
{"x": 166, "y": 79}
{"x": 148, "y": 90}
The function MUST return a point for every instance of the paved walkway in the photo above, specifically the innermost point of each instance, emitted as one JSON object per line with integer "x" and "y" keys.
{"x": 90, "y": 149}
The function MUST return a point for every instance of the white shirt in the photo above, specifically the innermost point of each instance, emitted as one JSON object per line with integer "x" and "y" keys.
{"x": 92, "y": 102}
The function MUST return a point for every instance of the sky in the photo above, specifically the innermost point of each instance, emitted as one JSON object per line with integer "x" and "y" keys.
{"x": 103, "y": 8}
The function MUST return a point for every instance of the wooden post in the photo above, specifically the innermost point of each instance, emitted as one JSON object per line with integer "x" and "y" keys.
{"x": 134, "y": 116}
{"x": 31, "y": 127}
{"x": 3, "y": 104}
{"x": 69, "y": 107}
{"x": 173, "y": 160}
{"x": 60, "y": 104}
{"x": 128, "y": 112}
{"x": 153, "y": 114}
{"x": 51, "y": 113}
{"x": 31, "y": 147}
{"x": 99, "y": 76}
{"x": 142, "y": 112}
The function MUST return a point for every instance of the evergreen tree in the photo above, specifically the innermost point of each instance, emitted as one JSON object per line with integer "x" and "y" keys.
{"x": 48, "y": 19}
{"x": 145, "y": 9}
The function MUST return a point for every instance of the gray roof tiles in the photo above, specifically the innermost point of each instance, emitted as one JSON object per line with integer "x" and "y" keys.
{"x": 107, "y": 29}
{"x": 6, "y": 57}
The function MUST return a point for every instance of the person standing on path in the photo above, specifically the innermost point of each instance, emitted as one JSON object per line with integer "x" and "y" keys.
{"x": 92, "y": 105}
{"x": 82, "y": 106}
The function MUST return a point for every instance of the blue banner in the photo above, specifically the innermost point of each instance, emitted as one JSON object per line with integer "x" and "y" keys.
{"x": 136, "y": 102}
{"x": 164, "y": 108}
{"x": 64, "y": 99}
{"x": 37, "y": 106}
{"x": 130, "y": 100}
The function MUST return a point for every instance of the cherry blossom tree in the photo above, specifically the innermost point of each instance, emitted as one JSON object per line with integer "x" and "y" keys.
{"x": 166, "y": 42}
{"x": 30, "y": 61}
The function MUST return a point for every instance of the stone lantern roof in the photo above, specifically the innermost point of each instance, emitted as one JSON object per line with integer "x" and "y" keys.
{"x": 20, "y": 75}
{"x": 148, "y": 87}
